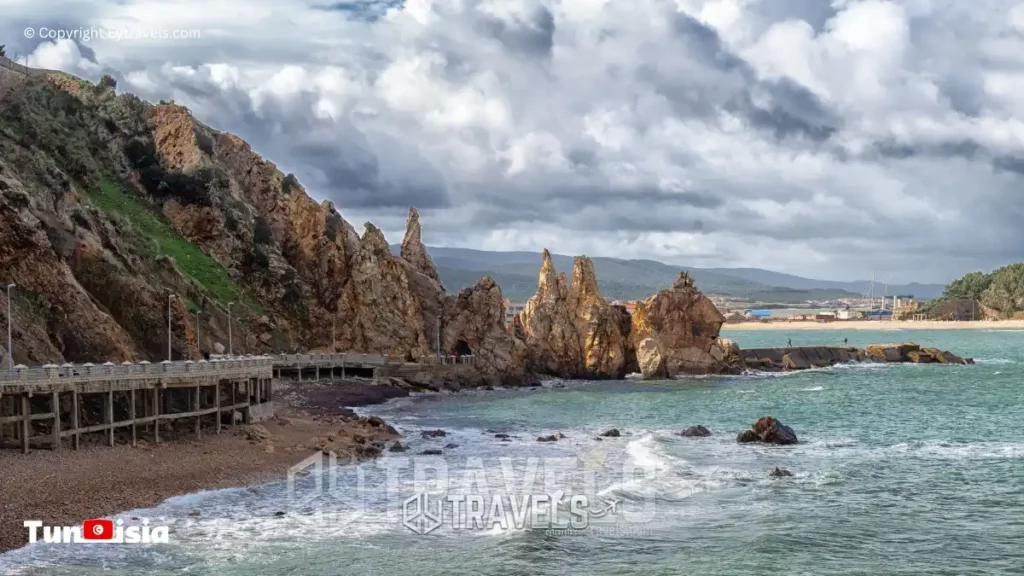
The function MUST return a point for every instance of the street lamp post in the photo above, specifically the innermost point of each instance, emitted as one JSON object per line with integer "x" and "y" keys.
{"x": 10, "y": 320}
{"x": 170, "y": 300}
{"x": 198, "y": 344}
{"x": 230, "y": 342}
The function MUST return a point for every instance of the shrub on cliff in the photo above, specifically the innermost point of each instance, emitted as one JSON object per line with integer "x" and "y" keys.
{"x": 290, "y": 183}
{"x": 261, "y": 232}
{"x": 203, "y": 140}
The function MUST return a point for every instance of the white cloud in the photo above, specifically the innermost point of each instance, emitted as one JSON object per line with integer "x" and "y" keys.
{"x": 814, "y": 137}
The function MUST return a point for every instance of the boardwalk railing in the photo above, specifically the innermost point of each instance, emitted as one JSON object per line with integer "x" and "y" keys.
{"x": 84, "y": 373}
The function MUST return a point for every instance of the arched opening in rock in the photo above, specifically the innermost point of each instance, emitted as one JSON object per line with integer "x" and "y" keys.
{"x": 462, "y": 348}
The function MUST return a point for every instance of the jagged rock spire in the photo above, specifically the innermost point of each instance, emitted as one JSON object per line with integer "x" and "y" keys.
{"x": 584, "y": 285}
{"x": 413, "y": 250}
{"x": 547, "y": 280}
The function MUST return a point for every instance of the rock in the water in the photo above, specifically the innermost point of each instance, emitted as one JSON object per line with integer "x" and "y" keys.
{"x": 431, "y": 452}
{"x": 770, "y": 431}
{"x": 780, "y": 473}
{"x": 551, "y": 438}
{"x": 676, "y": 330}
{"x": 613, "y": 433}
{"x": 397, "y": 447}
{"x": 501, "y": 436}
{"x": 747, "y": 436}
{"x": 450, "y": 445}
{"x": 697, "y": 431}
{"x": 433, "y": 433}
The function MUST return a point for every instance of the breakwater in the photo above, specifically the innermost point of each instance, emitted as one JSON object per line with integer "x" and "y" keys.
{"x": 805, "y": 357}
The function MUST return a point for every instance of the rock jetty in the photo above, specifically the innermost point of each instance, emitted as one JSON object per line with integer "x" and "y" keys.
{"x": 806, "y": 357}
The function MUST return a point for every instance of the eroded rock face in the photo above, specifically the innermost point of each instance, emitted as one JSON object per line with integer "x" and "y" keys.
{"x": 571, "y": 331}
{"x": 474, "y": 320}
{"x": 598, "y": 324}
{"x": 649, "y": 357}
{"x": 685, "y": 325}
{"x": 549, "y": 330}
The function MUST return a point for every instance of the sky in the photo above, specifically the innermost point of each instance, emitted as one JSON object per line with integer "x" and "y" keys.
{"x": 830, "y": 140}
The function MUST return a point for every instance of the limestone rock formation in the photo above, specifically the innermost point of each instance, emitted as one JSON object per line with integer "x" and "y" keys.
{"x": 649, "y": 356}
{"x": 683, "y": 331}
{"x": 129, "y": 201}
{"x": 571, "y": 331}
{"x": 474, "y": 323}
{"x": 598, "y": 324}
{"x": 549, "y": 330}
{"x": 413, "y": 250}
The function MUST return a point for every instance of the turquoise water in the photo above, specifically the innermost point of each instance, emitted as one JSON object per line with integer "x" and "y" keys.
{"x": 911, "y": 469}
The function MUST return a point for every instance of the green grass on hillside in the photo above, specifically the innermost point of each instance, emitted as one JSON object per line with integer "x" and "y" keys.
{"x": 163, "y": 240}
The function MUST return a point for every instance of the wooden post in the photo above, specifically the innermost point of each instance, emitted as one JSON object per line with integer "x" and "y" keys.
{"x": 110, "y": 417}
{"x": 74, "y": 417}
{"x": 131, "y": 415}
{"x": 317, "y": 372}
{"x": 216, "y": 403}
{"x": 26, "y": 410}
{"x": 56, "y": 420}
{"x": 199, "y": 418}
{"x": 156, "y": 415}
{"x": 234, "y": 385}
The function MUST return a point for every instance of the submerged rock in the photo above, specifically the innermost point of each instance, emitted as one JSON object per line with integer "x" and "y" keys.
{"x": 552, "y": 438}
{"x": 397, "y": 447}
{"x": 698, "y": 431}
{"x": 433, "y": 433}
{"x": 431, "y": 452}
{"x": 613, "y": 433}
{"x": 747, "y": 436}
{"x": 780, "y": 473}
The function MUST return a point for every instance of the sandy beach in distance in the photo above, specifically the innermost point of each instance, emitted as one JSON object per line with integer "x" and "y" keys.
{"x": 877, "y": 325}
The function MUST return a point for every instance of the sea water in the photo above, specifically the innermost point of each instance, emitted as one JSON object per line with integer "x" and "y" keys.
{"x": 901, "y": 469}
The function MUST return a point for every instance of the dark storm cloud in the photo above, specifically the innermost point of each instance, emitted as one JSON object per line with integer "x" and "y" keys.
{"x": 533, "y": 36}
{"x": 845, "y": 136}
{"x": 725, "y": 81}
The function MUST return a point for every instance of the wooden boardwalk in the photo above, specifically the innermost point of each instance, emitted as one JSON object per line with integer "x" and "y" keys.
{"x": 47, "y": 405}
{"x": 52, "y": 399}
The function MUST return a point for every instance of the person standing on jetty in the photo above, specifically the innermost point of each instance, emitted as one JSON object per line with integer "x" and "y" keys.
{"x": 789, "y": 343}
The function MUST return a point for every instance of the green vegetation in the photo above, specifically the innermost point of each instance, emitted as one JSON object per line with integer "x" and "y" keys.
{"x": 193, "y": 263}
{"x": 3, "y": 51}
{"x": 1002, "y": 290}
{"x": 290, "y": 183}
{"x": 262, "y": 235}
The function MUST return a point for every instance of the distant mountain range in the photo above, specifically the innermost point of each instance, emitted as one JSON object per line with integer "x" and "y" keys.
{"x": 516, "y": 272}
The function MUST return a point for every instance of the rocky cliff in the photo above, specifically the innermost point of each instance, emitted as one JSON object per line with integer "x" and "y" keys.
{"x": 114, "y": 211}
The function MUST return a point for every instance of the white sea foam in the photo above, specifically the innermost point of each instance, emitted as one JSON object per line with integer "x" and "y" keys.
{"x": 813, "y": 389}
{"x": 994, "y": 361}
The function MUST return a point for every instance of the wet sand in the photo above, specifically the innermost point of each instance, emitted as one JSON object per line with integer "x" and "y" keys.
{"x": 877, "y": 325}
{"x": 66, "y": 487}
